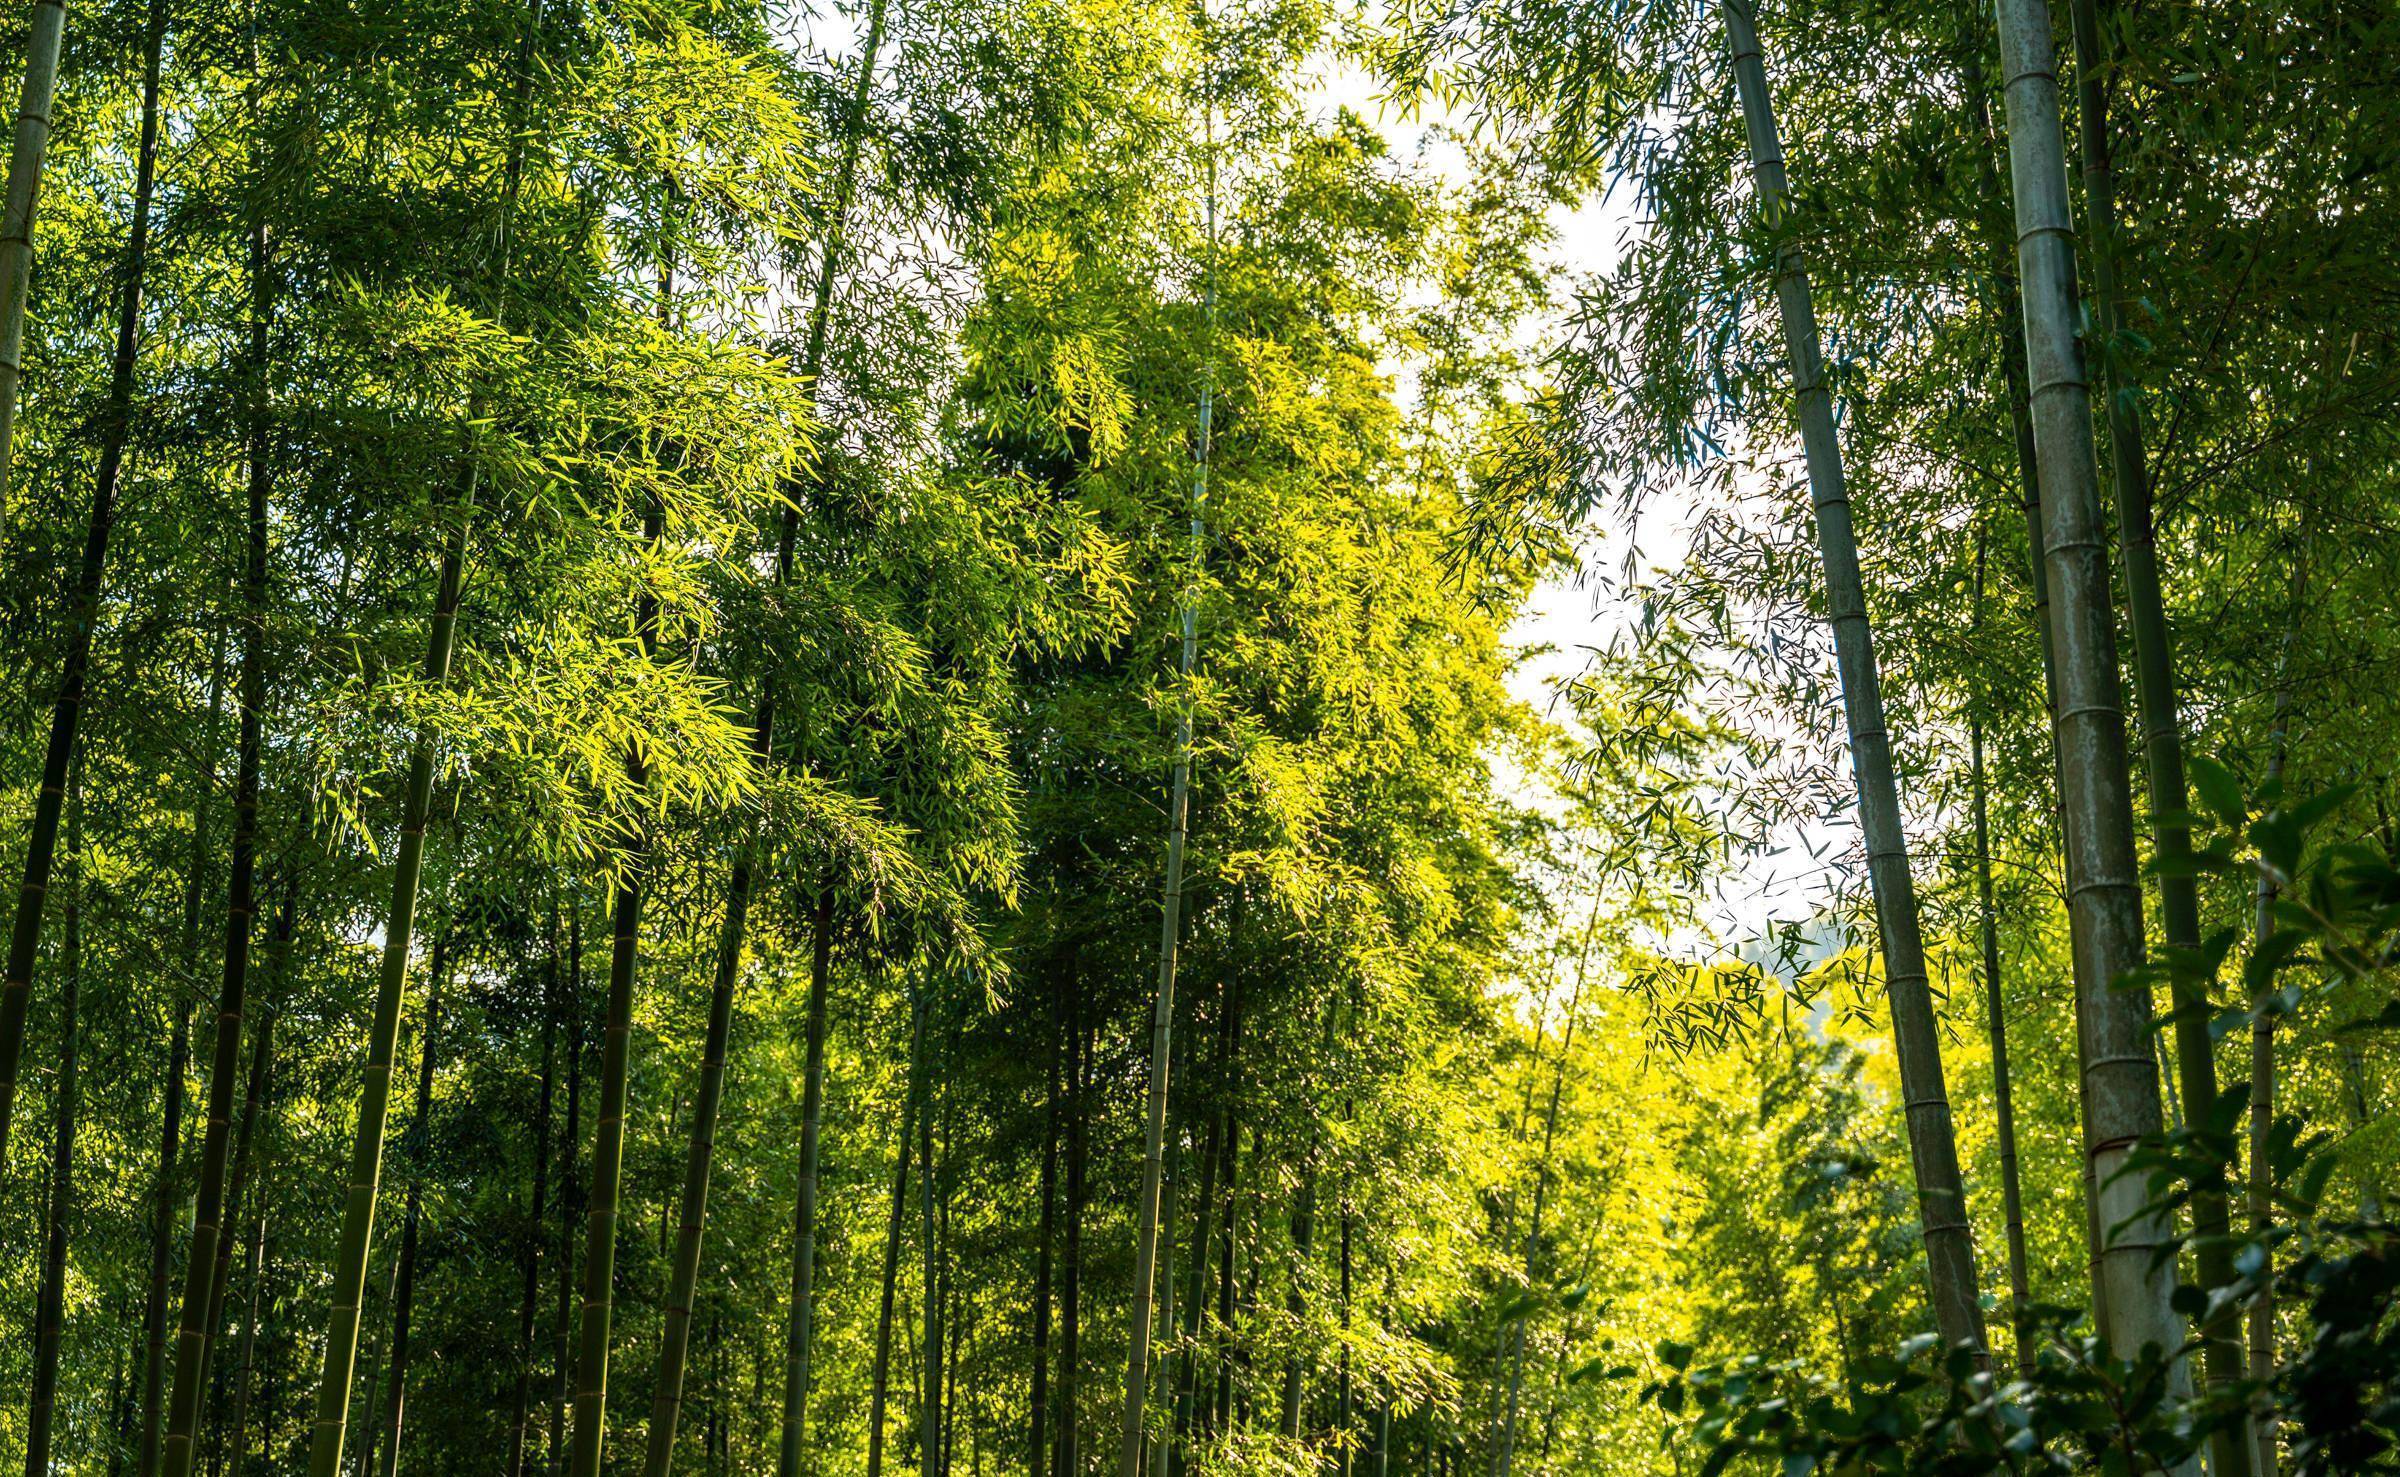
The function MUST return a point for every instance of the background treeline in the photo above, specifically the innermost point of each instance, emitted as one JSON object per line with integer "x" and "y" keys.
{"x": 614, "y": 612}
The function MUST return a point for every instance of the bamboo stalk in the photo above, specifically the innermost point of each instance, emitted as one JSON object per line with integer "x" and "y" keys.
{"x": 66, "y": 709}
{"x": 2120, "y": 1097}
{"x": 1162, "y": 1017}
{"x": 50, "y": 1313}
{"x": 1932, "y": 1143}
{"x": 28, "y": 146}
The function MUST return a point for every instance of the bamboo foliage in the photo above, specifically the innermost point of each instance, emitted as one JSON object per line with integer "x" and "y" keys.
{"x": 775, "y": 471}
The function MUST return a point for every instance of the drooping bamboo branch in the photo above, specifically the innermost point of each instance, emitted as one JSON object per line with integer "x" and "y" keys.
{"x": 1933, "y": 1146}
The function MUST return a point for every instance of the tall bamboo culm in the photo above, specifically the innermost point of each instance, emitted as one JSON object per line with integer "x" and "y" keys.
{"x": 1513, "y": 1346}
{"x": 1933, "y": 1147}
{"x": 27, "y": 148}
{"x": 2259, "y": 1200}
{"x": 2120, "y": 1097}
{"x": 616, "y": 1041}
{"x": 2008, "y": 324}
{"x": 331, "y": 1428}
{"x": 2155, "y": 703}
{"x": 66, "y": 709}
{"x": 50, "y": 1311}
{"x": 1162, "y": 1017}
{"x": 209, "y": 1227}
{"x": 684, "y": 1274}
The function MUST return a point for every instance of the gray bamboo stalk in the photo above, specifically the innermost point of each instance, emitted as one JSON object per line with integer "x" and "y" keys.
{"x": 608, "y": 1148}
{"x": 2120, "y": 1097}
{"x": 245, "y": 1152}
{"x": 1155, "y": 1461}
{"x": 1203, "y": 1233}
{"x": 28, "y": 146}
{"x": 1304, "y": 1233}
{"x": 2003, "y": 1100}
{"x": 366, "y": 1159}
{"x": 209, "y": 1224}
{"x": 1346, "y": 1402}
{"x": 1162, "y": 1018}
{"x": 50, "y": 1310}
{"x": 798, "y": 1340}
{"x": 1304, "y": 1236}
{"x": 1933, "y": 1147}
{"x": 1067, "y": 1403}
{"x": 117, "y": 1414}
{"x": 1218, "y": 1413}
{"x": 608, "y": 1158}
{"x": 331, "y": 1428}
{"x": 562, "y": 1323}
{"x": 164, "y": 1201}
{"x": 66, "y": 709}
{"x": 162, "y": 1230}
{"x": 2154, "y": 696}
{"x": 2008, "y": 311}
{"x": 683, "y": 1278}
{"x": 2260, "y": 1353}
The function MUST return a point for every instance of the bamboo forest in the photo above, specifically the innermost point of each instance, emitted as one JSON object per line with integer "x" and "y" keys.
{"x": 1200, "y": 738}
